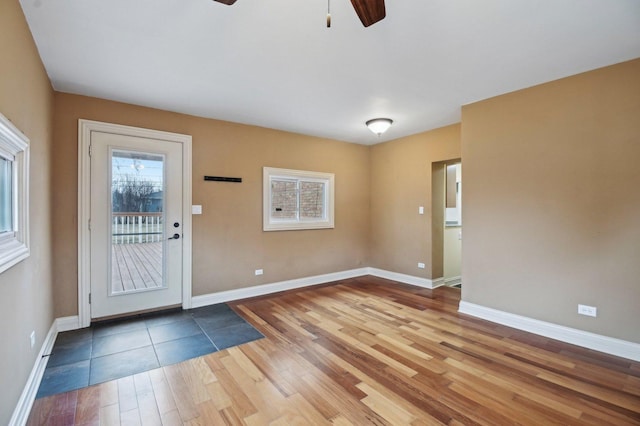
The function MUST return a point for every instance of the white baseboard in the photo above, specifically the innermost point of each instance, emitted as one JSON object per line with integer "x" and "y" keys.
{"x": 407, "y": 279}
{"x": 67, "y": 323}
{"x": 23, "y": 408}
{"x": 261, "y": 290}
{"x": 449, "y": 282}
{"x": 437, "y": 282}
{"x": 609, "y": 345}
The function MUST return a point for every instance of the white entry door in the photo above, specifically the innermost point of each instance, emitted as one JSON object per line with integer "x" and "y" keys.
{"x": 136, "y": 224}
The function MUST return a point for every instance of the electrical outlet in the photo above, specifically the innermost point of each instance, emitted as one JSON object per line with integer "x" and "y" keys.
{"x": 259, "y": 272}
{"x": 421, "y": 265}
{"x": 421, "y": 210}
{"x": 32, "y": 338}
{"x": 590, "y": 311}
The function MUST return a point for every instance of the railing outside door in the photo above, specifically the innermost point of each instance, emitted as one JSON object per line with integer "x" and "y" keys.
{"x": 135, "y": 228}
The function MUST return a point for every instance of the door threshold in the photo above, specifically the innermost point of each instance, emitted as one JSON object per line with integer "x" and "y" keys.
{"x": 136, "y": 315}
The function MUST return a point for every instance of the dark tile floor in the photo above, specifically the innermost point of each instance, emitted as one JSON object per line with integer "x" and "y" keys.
{"x": 116, "y": 349}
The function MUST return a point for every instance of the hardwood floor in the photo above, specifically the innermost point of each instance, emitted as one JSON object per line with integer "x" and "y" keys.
{"x": 367, "y": 351}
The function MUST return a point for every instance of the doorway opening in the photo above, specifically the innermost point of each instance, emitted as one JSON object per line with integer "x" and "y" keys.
{"x": 447, "y": 221}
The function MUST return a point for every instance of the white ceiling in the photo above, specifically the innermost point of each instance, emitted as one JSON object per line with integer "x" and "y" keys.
{"x": 273, "y": 63}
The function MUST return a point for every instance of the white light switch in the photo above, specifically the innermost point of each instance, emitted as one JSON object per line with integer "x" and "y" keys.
{"x": 421, "y": 210}
{"x": 196, "y": 209}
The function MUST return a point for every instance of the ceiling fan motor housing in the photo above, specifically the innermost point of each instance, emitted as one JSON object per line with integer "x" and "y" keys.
{"x": 369, "y": 11}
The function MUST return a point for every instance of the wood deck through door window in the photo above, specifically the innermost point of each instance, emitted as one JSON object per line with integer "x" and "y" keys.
{"x": 368, "y": 351}
{"x": 136, "y": 266}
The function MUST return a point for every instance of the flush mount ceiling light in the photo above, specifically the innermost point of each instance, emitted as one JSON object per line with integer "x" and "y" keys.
{"x": 379, "y": 125}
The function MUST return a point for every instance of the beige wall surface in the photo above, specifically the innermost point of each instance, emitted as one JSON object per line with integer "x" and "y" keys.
{"x": 228, "y": 241}
{"x": 400, "y": 183}
{"x": 26, "y": 301}
{"x": 551, "y": 201}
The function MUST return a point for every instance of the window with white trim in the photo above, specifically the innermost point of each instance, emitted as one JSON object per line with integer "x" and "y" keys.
{"x": 14, "y": 199}
{"x": 297, "y": 199}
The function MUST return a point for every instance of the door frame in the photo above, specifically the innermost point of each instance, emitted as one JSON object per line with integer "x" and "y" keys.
{"x": 85, "y": 128}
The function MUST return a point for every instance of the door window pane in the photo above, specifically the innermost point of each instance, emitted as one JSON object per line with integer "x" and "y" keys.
{"x": 137, "y": 227}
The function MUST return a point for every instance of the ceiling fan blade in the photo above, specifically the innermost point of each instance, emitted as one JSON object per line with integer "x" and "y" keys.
{"x": 227, "y": 2}
{"x": 369, "y": 11}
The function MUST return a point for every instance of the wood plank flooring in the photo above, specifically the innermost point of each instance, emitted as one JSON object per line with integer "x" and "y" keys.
{"x": 367, "y": 351}
{"x": 136, "y": 266}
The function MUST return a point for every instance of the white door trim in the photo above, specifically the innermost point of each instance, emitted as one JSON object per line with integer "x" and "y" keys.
{"x": 85, "y": 127}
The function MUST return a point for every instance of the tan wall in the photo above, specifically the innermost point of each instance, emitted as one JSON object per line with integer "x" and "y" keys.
{"x": 551, "y": 201}
{"x": 401, "y": 173}
{"x": 228, "y": 241}
{"x": 437, "y": 210}
{"x": 26, "y": 98}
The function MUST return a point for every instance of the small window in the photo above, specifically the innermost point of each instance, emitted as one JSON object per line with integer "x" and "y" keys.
{"x": 296, "y": 199}
{"x": 14, "y": 163}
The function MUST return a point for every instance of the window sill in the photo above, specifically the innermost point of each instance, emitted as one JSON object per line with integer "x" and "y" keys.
{"x": 11, "y": 253}
{"x": 297, "y": 226}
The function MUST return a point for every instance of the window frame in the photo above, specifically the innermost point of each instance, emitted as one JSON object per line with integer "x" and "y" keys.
{"x": 14, "y": 147}
{"x": 272, "y": 224}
